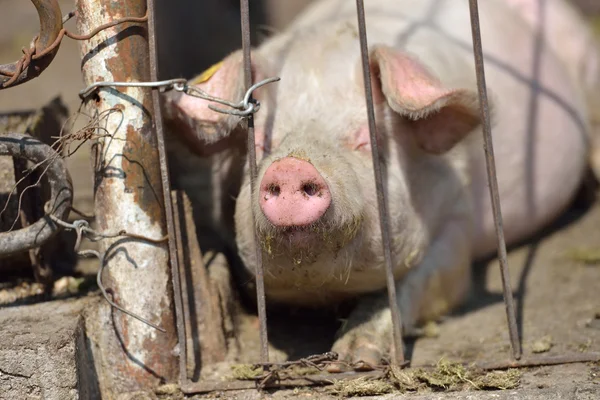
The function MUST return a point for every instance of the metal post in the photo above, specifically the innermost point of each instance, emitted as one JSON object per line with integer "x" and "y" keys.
{"x": 128, "y": 196}
{"x": 170, "y": 212}
{"x": 398, "y": 344}
{"x": 260, "y": 281}
{"x": 488, "y": 148}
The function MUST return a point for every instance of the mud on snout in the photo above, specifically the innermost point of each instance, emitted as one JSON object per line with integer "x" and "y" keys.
{"x": 307, "y": 206}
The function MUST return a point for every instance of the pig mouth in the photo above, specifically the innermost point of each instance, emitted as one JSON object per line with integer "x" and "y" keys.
{"x": 299, "y": 236}
{"x": 291, "y": 239}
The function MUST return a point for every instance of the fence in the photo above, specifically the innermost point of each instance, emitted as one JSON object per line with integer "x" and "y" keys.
{"x": 136, "y": 138}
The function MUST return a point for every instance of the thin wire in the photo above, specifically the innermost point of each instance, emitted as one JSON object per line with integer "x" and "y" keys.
{"x": 488, "y": 147}
{"x": 96, "y": 85}
{"x": 82, "y": 228}
{"x": 247, "y": 105}
{"x": 112, "y": 303}
{"x": 398, "y": 356}
{"x": 94, "y": 253}
{"x": 260, "y": 284}
{"x": 242, "y": 108}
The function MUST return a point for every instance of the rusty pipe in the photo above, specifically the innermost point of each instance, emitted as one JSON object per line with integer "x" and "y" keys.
{"x": 50, "y": 30}
{"x": 131, "y": 355}
{"x": 61, "y": 192}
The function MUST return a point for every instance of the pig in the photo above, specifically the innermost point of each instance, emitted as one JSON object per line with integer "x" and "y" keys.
{"x": 566, "y": 34}
{"x": 314, "y": 207}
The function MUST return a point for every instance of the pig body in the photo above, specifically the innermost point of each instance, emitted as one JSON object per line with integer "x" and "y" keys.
{"x": 315, "y": 200}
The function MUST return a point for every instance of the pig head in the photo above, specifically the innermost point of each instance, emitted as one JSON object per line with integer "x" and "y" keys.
{"x": 314, "y": 203}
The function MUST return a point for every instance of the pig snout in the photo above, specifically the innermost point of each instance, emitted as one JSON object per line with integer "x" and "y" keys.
{"x": 293, "y": 193}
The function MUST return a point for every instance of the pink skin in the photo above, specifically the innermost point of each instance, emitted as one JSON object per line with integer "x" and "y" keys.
{"x": 293, "y": 193}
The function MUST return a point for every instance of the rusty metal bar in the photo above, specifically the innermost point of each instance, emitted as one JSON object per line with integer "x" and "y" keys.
{"x": 50, "y": 29}
{"x": 260, "y": 283}
{"x": 128, "y": 196}
{"x": 328, "y": 379}
{"x": 171, "y": 213}
{"x": 398, "y": 349}
{"x": 488, "y": 148}
{"x": 540, "y": 361}
{"x": 321, "y": 379}
{"x": 61, "y": 192}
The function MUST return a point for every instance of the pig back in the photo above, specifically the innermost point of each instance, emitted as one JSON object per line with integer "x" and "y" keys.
{"x": 540, "y": 121}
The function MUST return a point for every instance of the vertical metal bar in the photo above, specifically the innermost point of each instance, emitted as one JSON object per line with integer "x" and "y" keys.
{"x": 128, "y": 196}
{"x": 398, "y": 356}
{"x": 493, "y": 182}
{"x": 260, "y": 283}
{"x": 170, "y": 211}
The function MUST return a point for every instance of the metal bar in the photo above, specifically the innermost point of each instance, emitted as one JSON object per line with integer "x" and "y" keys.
{"x": 398, "y": 349}
{"x": 55, "y": 172}
{"x": 170, "y": 211}
{"x": 488, "y": 148}
{"x": 540, "y": 361}
{"x": 296, "y": 381}
{"x": 328, "y": 379}
{"x": 260, "y": 284}
{"x": 131, "y": 355}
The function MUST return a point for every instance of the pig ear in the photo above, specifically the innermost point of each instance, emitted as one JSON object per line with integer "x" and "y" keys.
{"x": 203, "y": 129}
{"x": 441, "y": 117}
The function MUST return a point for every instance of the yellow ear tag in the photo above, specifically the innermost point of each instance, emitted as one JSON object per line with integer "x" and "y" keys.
{"x": 206, "y": 75}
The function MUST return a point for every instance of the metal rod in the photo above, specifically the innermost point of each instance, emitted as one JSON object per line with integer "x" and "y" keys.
{"x": 398, "y": 356}
{"x": 166, "y": 187}
{"x": 296, "y": 381}
{"x": 260, "y": 282}
{"x": 488, "y": 147}
{"x": 328, "y": 379}
{"x": 540, "y": 361}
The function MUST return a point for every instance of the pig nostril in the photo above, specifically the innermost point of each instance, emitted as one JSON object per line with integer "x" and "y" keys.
{"x": 274, "y": 190}
{"x": 310, "y": 189}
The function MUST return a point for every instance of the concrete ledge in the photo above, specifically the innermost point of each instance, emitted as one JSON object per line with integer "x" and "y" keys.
{"x": 43, "y": 354}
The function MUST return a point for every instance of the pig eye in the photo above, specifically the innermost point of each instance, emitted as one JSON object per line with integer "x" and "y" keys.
{"x": 310, "y": 189}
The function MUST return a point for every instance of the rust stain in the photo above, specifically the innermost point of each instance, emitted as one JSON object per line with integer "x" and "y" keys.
{"x": 142, "y": 173}
{"x": 162, "y": 351}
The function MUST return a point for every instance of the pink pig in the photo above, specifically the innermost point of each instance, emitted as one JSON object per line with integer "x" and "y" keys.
{"x": 315, "y": 203}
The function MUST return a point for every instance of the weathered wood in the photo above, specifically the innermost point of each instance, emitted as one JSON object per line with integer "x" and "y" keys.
{"x": 207, "y": 295}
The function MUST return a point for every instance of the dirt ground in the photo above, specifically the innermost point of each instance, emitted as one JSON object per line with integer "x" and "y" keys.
{"x": 555, "y": 278}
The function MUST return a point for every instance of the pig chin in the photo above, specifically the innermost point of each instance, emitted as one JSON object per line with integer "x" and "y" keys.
{"x": 299, "y": 237}
{"x": 292, "y": 239}
{"x": 321, "y": 237}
